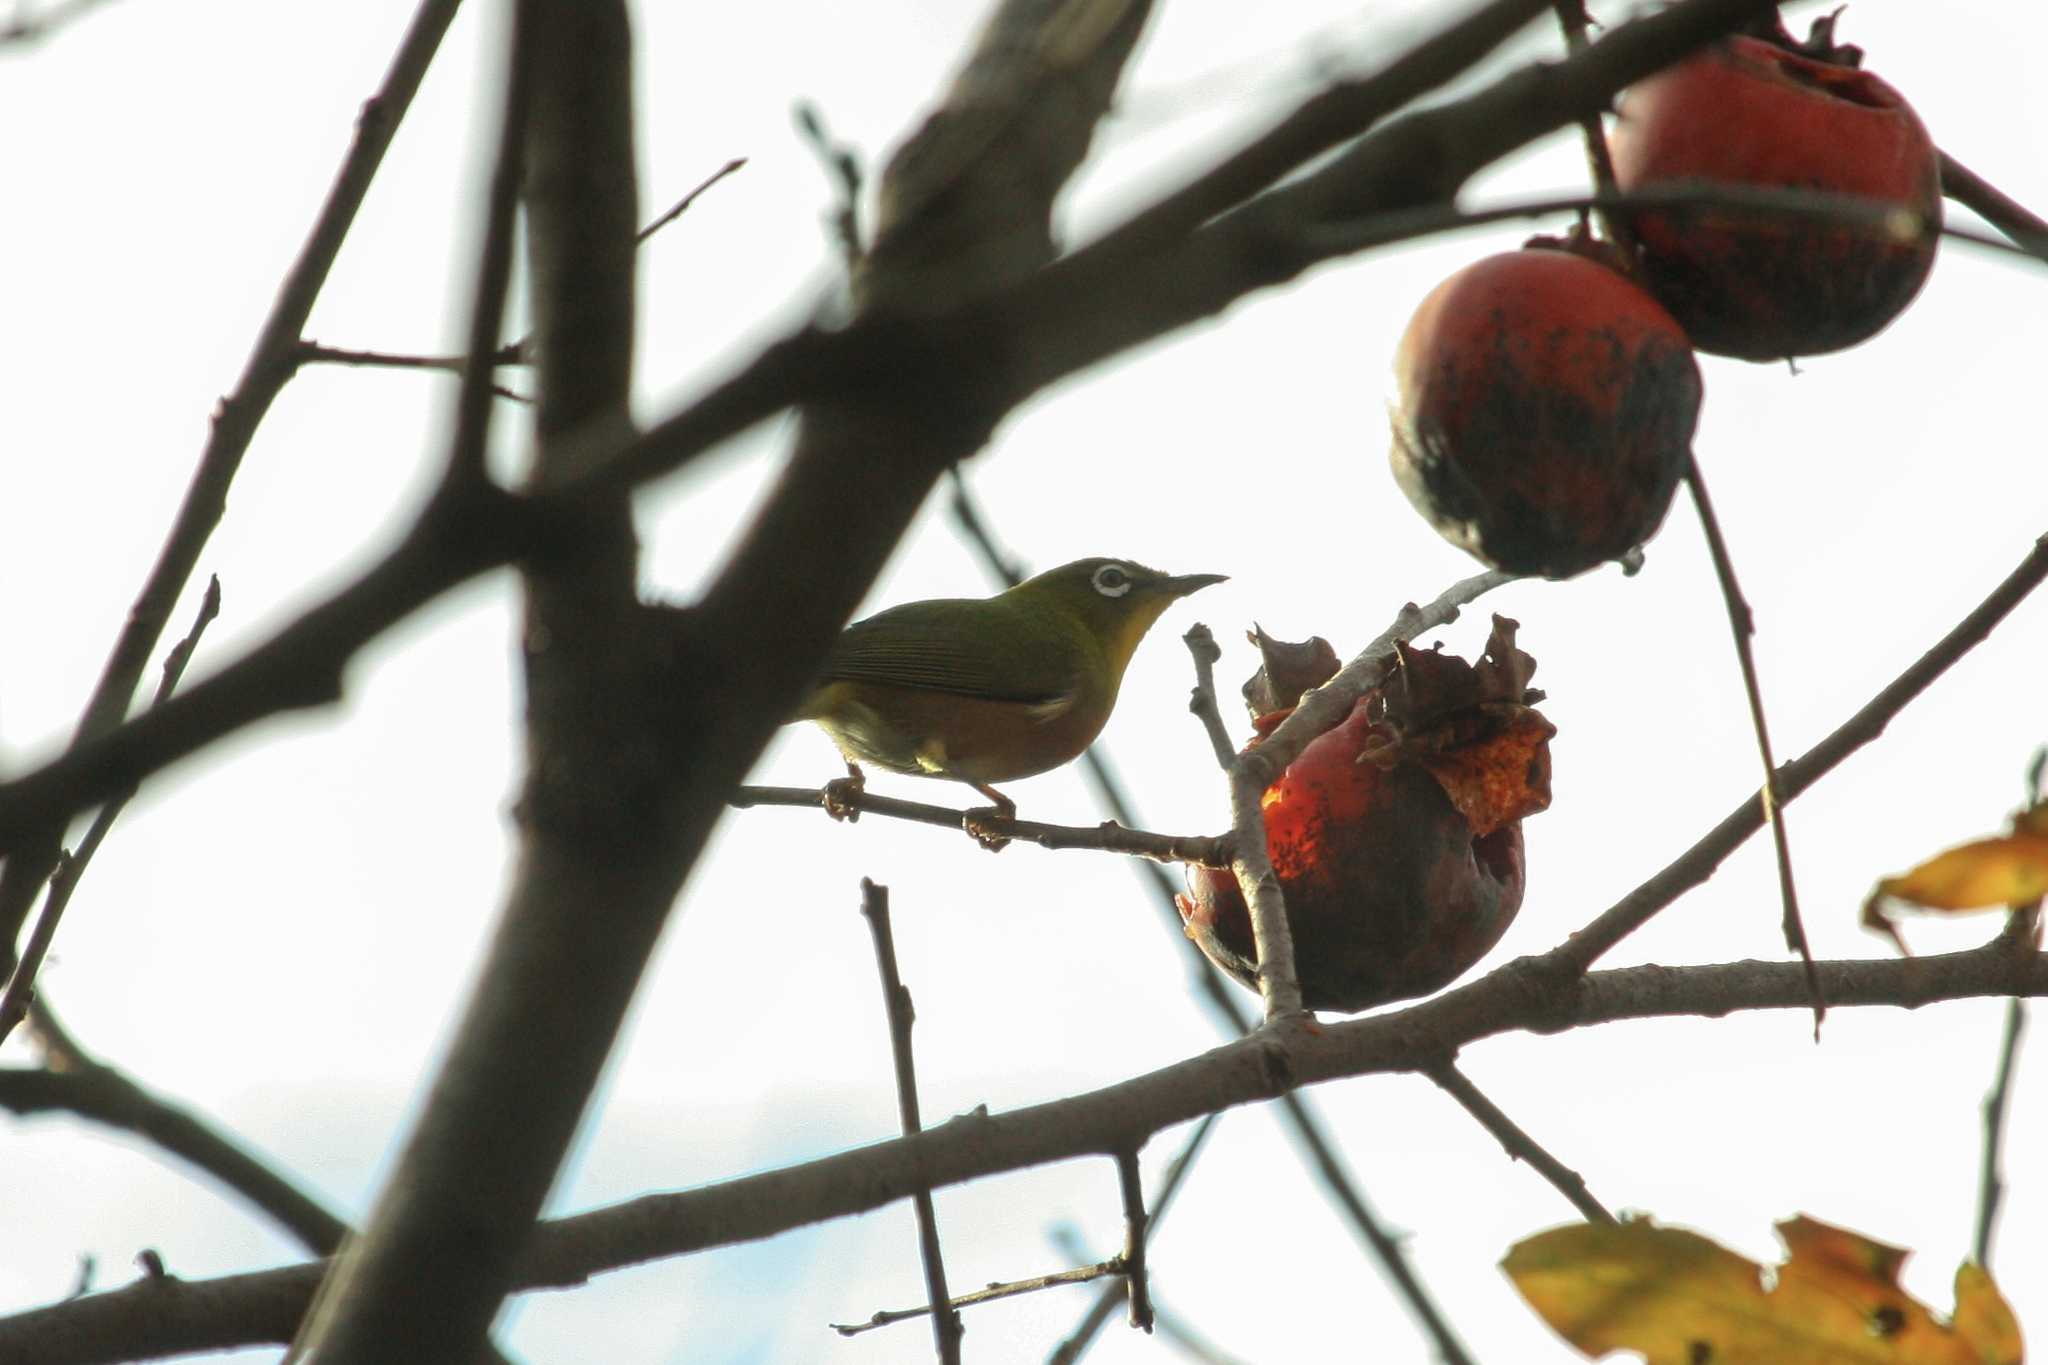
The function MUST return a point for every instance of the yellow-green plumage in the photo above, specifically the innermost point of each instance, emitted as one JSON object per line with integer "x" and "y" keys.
{"x": 985, "y": 690}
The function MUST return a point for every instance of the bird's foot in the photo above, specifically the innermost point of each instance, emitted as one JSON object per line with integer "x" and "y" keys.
{"x": 842, "y": 794}
{"x": 980, "y": 821}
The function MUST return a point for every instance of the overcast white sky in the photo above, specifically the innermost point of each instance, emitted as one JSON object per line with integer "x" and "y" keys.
{"x": 278, "y": 932}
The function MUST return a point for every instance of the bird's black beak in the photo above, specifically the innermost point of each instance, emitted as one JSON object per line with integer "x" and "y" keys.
{"x": 1183, "y": 584}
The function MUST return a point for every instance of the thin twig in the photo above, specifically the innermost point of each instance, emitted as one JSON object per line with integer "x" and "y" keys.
{"x": 1573, "y": 19}
{"x": 1005, "y": 1289}
{"x": 1297, "y": 1112}
{"x": 1743, "y": 625}
{"x": 1991, "y": 1179}
{"x": 1077, "y": 1342}
{"x": 1517, "y": 1143}
{"x": 1202, "y": 647}
{"x": 2027, "y": 229}
{"x": 468, "y": 450}
{"x": 842, "y": 164}
{"x": 71, "y": 866}
{"x": 1251, "y": 860}
{"x": 1877, "y": 218}
{"x": 1176, "y": 1331}
{"x": 1115, "y": 1265}
{"x": 1130, "y": 1183}
{"x": 25, "y": 26}
{"x": 946, "y": 1324}
{"x": 311, "y": 352}
{"x": 1211, "y": 850}
{"x": 682, "y": 205}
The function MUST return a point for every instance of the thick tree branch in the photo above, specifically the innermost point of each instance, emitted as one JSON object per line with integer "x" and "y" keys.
{"x": 595, "y": 873}
{"x": 176, "y": 1316}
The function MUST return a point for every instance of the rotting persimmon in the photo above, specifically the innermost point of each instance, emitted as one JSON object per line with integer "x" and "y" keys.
{"x": 1396, "y": 836}
{"x": 1544, "y": 410}
{"x": 1764, "y": 110}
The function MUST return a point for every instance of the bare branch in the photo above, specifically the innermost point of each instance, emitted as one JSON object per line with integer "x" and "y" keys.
{"x": 1006, "y": 1289}
{"x": 101, "y": 1094}
{"x": 1130, "y": 1183}
{"x": 70, "y": 867}
{"x": 843, "y": 166}
{"x": 26, "y": 26}
{"x": 1990, "y": 1181}
{"x": 1518, "y": 1144}
{"x": 439, "y": 1247}
{"x": 946, "y": 1325}
{"x": 311, "y": 352}
{"x": 1742, "y": 624}
{"x": 2027, "y": 229}
{"x": 682, "y": 205}
{"x": 1108, "y": 837}
{"x": 1528, "y": 995}
{"x": 1573, "y": 19}
{"x": 1202, "y": 648}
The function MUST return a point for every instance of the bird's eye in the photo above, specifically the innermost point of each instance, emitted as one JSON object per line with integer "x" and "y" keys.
{"x": 1111, "y": 581}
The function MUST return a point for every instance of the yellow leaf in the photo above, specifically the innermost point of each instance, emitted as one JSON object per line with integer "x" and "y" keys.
{"x": 1679, "y": 1299}
{"x": 2004, "y": 871}
{"x": 1983, "y": 1319}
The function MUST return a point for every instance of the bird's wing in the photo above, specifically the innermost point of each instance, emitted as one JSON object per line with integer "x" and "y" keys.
{"x": 942, "y": 648}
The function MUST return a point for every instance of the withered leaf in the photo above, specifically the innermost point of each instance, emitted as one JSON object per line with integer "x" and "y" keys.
{"x": 2007, "y": 870}
{"x": 1679, "y": 1298}
{"x": 1286, "y": 671}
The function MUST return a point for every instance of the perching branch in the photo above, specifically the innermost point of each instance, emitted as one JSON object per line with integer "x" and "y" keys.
{"x": 1107, "y": 837}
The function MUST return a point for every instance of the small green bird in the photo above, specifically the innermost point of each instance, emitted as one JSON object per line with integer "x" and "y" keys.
{"x": 984, "y": 690}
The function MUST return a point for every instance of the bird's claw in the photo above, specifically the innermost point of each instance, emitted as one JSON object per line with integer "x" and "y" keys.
{"x": 842, "y": 794}
{"x": 977, "y": 821}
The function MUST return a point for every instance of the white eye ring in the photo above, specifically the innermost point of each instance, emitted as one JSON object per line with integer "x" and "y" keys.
{"x": 1111, "y": 581}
